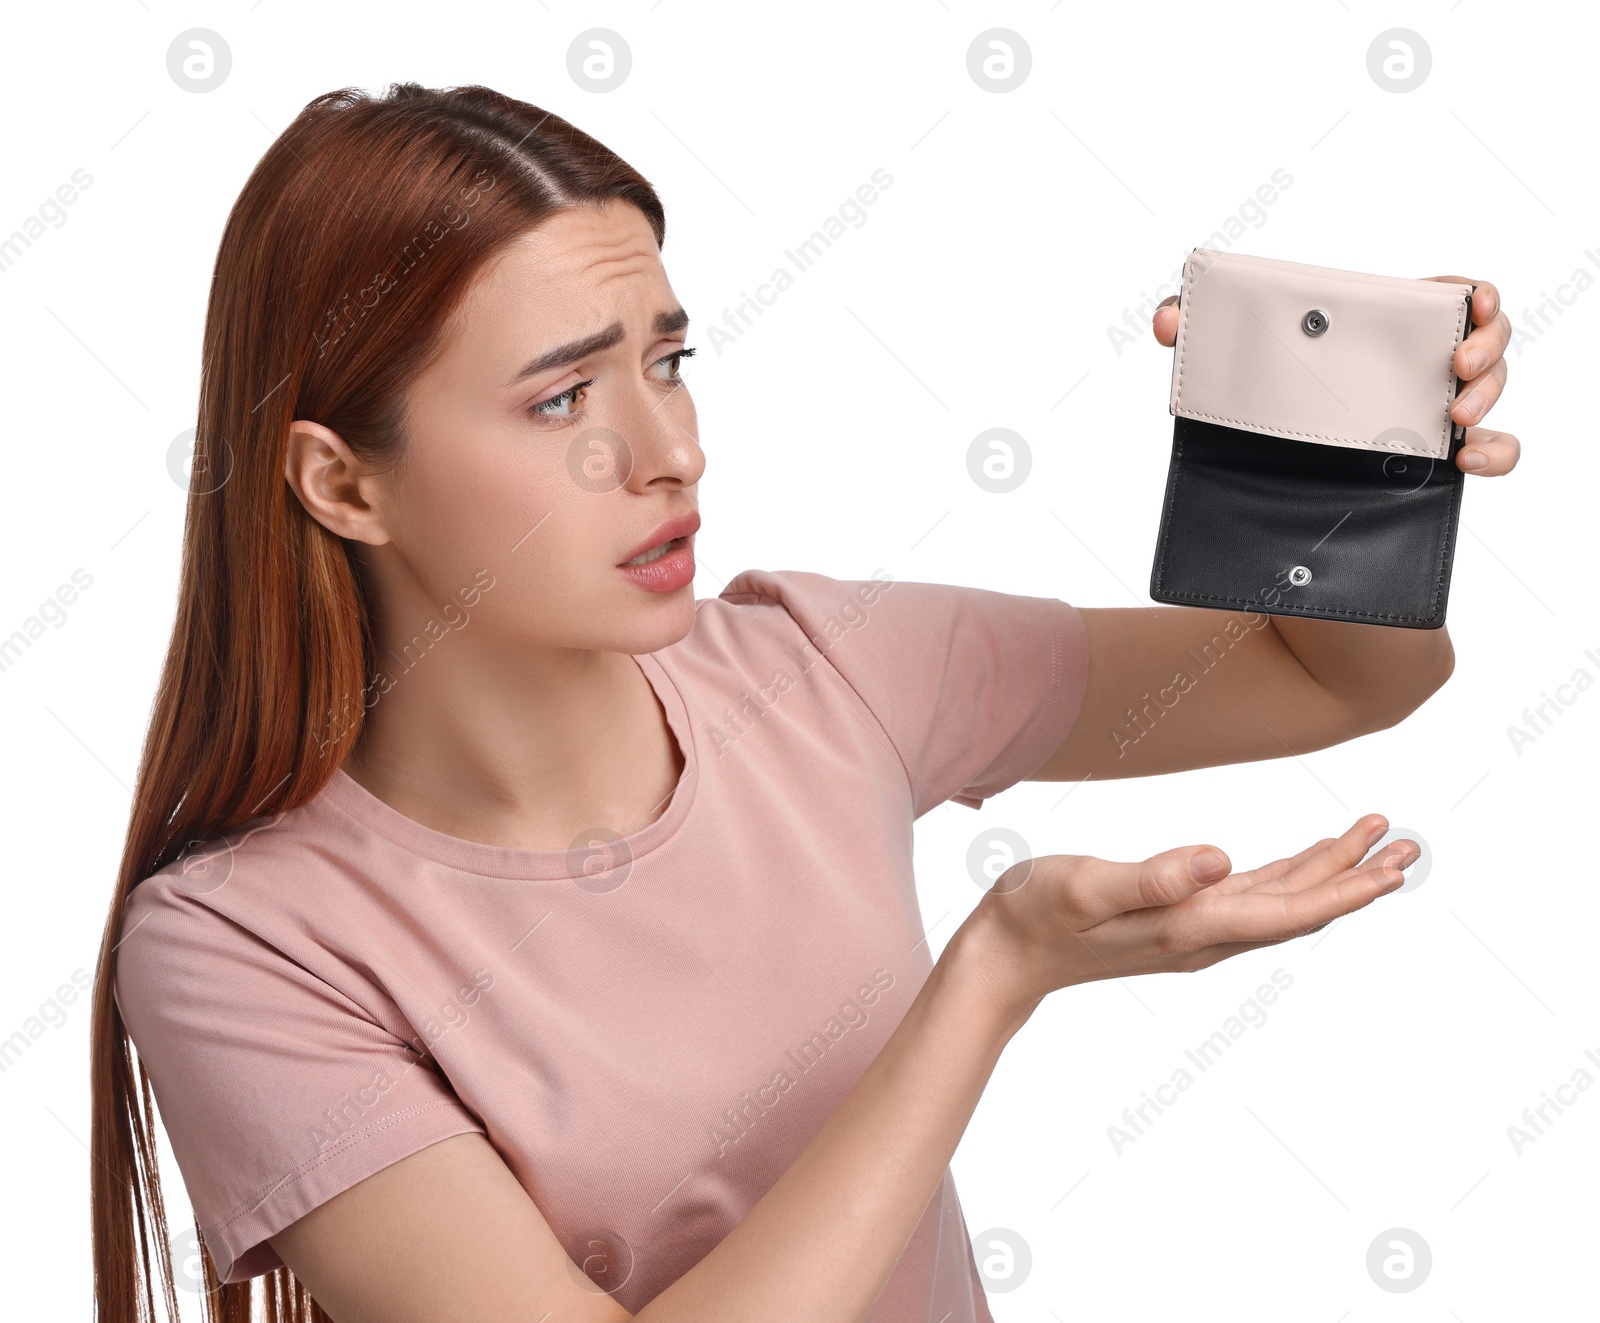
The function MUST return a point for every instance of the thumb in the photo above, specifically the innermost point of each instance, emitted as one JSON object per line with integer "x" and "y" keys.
{"x": 1097, "y": 889}
{"x": 1164, "y": 321}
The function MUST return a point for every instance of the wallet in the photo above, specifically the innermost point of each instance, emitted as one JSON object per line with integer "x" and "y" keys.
{"x": 1313, "y": 456}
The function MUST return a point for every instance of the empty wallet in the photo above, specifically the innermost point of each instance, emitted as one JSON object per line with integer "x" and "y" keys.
{"x": 1313, "y": 456}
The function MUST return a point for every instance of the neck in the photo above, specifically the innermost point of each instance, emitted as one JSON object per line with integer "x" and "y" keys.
{"x": 518, "y": 746}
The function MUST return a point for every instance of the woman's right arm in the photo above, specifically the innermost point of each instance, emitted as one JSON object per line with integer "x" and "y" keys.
{"x": 449, "y": 1234}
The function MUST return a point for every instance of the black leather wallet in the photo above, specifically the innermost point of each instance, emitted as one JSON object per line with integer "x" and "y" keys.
{"x": 1313, "y": 458}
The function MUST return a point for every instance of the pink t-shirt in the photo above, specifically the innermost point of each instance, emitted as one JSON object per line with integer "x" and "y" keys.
{"x": 649, "y": 1032}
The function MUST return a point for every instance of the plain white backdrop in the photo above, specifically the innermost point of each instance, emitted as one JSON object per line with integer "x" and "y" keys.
{"x": 1372, "y": 1100}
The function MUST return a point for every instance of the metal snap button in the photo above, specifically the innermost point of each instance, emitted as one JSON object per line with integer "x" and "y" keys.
{"x": 1314, "y": 322}
{"x": 1299, "y": 576}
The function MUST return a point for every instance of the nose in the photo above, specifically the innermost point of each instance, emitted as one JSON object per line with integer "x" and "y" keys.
{"x": 662, "y": 435}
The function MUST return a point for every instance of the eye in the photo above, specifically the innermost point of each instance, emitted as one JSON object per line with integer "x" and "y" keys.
{"x": 556, "y": 405}
{"x": 677, "y": 367}
{"x": 547, "y": 408}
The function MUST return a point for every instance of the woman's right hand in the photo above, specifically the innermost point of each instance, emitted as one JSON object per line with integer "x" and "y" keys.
{"x": 1062, "y": 919}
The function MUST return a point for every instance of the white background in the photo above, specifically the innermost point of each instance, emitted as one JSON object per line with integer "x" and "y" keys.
{"x": 977, "y": 293}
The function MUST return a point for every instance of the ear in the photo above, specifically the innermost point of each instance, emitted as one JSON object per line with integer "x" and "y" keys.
{"x": 337, "y": 490}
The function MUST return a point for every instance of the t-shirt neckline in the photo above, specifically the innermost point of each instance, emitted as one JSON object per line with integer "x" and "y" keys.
{"x": 595, "y": 868}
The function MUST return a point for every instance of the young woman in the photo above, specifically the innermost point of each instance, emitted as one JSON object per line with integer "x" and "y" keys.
{"x": 508, "y": 935}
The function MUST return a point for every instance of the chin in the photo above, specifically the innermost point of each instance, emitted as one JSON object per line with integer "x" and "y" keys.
{"x": 656, "y": 621}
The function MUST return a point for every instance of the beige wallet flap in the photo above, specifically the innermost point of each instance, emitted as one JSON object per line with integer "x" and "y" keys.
{"x": 1310, "y": 353}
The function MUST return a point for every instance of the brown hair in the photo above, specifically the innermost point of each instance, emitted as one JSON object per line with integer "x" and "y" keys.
{"x": 341, "y": 264}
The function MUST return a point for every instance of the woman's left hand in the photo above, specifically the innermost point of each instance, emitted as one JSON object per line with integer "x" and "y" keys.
{"x": 1479, "y": 362}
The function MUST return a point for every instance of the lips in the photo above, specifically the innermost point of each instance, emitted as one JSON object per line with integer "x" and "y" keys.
{"x": 683, "y": 526}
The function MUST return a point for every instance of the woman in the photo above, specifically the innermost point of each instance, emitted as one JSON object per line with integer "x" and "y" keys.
{"x": 508, "y": 935}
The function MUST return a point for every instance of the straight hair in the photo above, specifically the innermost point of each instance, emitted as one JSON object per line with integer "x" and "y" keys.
{"x": 341, "y": 266}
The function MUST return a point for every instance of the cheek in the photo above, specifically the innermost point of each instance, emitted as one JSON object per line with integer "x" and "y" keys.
{"x": 507, "y": 508}
{"x": 466, "y": 511}
{"x": 543, "y": 515}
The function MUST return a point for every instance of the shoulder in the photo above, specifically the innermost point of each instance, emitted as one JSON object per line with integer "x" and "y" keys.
{"x": 796, "y": 587}
{"x": 199, "y": 876}
{"x": 909, "y": 618}
{"x": 206, "y": 917}
{"x": 787, "y": 605}
{"x": 766, "y": 621}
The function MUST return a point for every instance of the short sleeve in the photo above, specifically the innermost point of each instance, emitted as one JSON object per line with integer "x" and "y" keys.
{"x": 276, "y": 1091}
{"x": 973, "y": 688}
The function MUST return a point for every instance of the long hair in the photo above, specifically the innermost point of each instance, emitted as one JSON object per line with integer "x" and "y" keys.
{"x": 340, "y": 266}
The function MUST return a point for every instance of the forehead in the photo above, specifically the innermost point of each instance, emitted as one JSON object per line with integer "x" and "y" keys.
{"x": 579, "y": 253}
{"x": 580, "y": 270}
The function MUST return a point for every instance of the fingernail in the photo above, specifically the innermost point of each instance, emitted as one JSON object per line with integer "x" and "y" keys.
{"x": 1375, "y": 836}
{"x": 1471, "y": 403}
{"x": 1473, "y": 362}
{"x": 1207, "y": 866}
{"x": 1473, "y": 459}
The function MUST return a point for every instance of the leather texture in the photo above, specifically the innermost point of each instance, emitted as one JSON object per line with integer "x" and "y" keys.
{"x": 1377, "y": 377}
{"x": 1312, "y": 475}
{"x": 1242, "y": 511}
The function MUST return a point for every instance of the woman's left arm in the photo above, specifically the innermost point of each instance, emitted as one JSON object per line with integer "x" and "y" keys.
{"x": 1172, "y": 688}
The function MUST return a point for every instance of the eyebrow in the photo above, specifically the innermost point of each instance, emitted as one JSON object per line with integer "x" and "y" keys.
{"x": 665, "y": 324}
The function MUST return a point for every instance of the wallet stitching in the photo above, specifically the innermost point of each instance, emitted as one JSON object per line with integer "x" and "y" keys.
{"x": 1317, "y": 611}
{"x": 1430, "y": 452}
{"x": 1449, "y": 367}
{"x": 1351, "y": 277}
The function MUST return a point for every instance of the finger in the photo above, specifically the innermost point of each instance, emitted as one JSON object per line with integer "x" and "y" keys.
{"x": 1090, "y": 890}
{"x": 1349, "y": 852}
{"x": 1313, "y": 864}
{"x": 1488, "y": 454}
{"x": 1483, "y": 348}
{"x": 1248, "y": 879}
{"x": 1165, "y": 321}
{"x": 1485, "y": 298}
{"x": 1477, "y": 396}
{"x": 1178, "y": 937}
{"x": 1401, "y": 853}
{"x": 1262, "y": 916}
